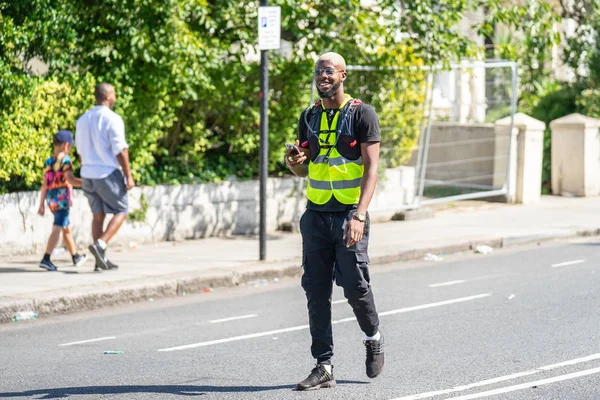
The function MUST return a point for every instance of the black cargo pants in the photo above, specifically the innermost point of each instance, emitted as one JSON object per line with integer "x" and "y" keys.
{"x": 325, "y": 259}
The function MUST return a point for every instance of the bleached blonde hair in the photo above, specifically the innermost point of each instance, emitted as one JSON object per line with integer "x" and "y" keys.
{"x": 335, "y": 58}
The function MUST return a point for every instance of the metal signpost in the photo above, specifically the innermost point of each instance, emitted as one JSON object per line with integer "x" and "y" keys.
{"x": 269, "y": 37}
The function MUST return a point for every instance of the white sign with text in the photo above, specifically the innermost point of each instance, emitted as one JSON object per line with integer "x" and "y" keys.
{"x": 269, "y": 28}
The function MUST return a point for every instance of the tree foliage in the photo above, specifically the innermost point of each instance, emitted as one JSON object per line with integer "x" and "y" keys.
{"x": 582, "y": 51}
{"x": 529, "y": 37}
{"x": 187, "y": 77}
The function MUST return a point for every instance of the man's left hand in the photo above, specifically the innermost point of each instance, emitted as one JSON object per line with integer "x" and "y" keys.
{"x": 130, "y": 182}
{"x": 353, "y": 231}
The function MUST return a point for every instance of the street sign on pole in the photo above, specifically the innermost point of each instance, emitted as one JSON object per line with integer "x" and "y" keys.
{"x": 269, "y": 37}
{"x": 269, "y": 28}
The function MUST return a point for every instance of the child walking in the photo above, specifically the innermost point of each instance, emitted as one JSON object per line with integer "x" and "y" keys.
{"x": 57, "y": 192}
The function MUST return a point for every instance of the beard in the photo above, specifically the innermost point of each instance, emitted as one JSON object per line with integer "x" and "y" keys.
{"x": 329, "y": 93}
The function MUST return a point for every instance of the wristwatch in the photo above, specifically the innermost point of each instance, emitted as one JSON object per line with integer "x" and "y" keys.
{"x": 361, "y": 216}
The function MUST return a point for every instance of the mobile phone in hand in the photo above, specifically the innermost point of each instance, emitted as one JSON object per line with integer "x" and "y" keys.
{"x": 294, "y": 151}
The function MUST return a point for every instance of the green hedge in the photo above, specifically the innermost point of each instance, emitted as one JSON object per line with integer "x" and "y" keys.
{"x": 37, "y": 108}
{"x": 187, "y": 79}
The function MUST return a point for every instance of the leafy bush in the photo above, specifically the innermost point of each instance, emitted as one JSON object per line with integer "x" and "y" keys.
{"x": 588, "y": 102}
{"x": 38, "y": 108}
{"x": 187, "y": 77}
{"x": 397, "y": 95}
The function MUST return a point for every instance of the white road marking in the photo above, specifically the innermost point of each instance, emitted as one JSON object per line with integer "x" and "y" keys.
{"x": 88, "y": 341}
{"x": 500, "y": 379}
{"x": 528, "y": 385}
{"x": 339, "y": 301}
{"x": 300, "y": 327}
{"x": 434, "y": 285}
{"x": 467, "y": 387}
{"x": 339, "y": 321}
{"x": 564, "y": 264}
{"x": 438, "y": 304}
{"x": 235, "y": 338}
{"x": 216, "y": 321}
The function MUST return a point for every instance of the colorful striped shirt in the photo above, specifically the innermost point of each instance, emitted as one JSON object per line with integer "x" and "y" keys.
{"x": 58, "y": 195}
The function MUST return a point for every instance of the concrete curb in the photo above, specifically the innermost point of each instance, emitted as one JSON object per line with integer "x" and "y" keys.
{"x": 53, "y": 303}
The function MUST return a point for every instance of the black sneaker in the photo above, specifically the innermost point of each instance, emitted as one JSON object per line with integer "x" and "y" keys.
{"x": 111, "y": 266}
{"x": 99, "y": 255}
{"x": 375, "y": 358}
{"x": 47, "y": 265}
{"x": 79, "y": 259}
{"x": 318, "y": 378}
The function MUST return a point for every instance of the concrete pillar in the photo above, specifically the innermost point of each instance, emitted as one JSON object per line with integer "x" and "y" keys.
{"x": 575, "y": 155}
{"x": 477, "y": 88}
{"x": 470, "y": 92}
{"x": 526, "y": 144}
{"x": 462, "y": 92}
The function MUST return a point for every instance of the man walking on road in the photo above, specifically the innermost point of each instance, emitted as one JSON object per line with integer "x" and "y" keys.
{"x": 100, "y": 140}
{"x": 338, "y": 149}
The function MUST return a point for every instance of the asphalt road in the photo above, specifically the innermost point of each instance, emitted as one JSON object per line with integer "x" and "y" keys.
{"x": 514, "y": 324}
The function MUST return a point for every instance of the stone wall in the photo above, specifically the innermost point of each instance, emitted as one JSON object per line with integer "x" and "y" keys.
{"x": 187, "y": 211}
{"x": 461, "y": 152}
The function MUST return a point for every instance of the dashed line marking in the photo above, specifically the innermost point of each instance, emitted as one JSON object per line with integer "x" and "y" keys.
{"x": 216, "y": 321}
{"x": 566, "y": 263}
{"x": 88, "y": 341}
{"x": 301, "y": 327}
{"x": 450, "y": 283}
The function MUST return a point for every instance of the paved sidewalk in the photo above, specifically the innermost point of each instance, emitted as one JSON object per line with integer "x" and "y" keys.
{"x": 171, "y": 268}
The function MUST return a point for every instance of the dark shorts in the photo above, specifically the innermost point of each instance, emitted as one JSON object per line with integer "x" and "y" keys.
{"x": 107, "y": 195}
{"x": 61, "y": 218}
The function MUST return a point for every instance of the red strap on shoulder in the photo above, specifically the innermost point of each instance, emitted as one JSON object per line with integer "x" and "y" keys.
{"x": 317, "y": 104}
{"x": 356, "y": 102}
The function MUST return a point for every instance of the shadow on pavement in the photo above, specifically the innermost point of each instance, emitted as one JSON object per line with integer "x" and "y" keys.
{"x": 65, "y": 269}
{"x": 24, "y": 262}
{"x": 13, "y": 270}
{"x": 40, "y": 270}
{"x": 588, "y": 244}
{"x": 182, "y": 390}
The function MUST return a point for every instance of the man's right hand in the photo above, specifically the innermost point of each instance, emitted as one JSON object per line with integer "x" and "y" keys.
{"x": 297, "y": 159}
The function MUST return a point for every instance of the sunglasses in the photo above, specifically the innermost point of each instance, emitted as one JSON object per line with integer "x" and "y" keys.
{"x": 328, "y": 71}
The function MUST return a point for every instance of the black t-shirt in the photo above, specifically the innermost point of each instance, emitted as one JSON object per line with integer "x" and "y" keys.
{"x": 366, "y": 130}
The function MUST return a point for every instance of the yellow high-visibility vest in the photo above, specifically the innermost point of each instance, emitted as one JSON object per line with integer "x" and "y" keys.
{"x": 330, "y": 173}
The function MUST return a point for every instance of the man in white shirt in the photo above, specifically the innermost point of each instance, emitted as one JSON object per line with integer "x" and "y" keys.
{"x": 105, "y": 170}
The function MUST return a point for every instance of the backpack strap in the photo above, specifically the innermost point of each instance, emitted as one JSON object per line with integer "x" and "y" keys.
{"x": 316, "y": 109}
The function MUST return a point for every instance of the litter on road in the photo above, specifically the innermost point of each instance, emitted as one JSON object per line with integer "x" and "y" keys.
{"x": 432, "y": 257}
{"x": 24, "y": 315}
{"x": 483, "y": 250}
{"x": 113, "y": 352}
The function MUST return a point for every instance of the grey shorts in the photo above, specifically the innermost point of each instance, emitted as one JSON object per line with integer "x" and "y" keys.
{"x": 107, "y": 195}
